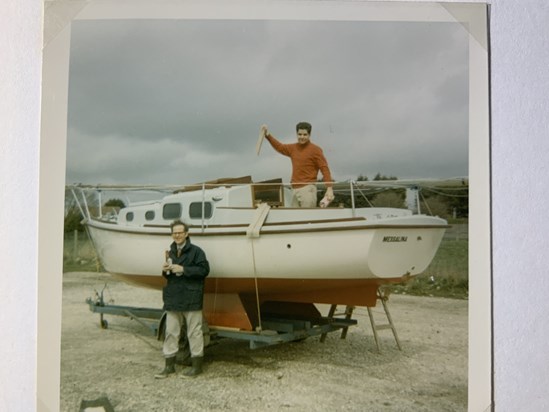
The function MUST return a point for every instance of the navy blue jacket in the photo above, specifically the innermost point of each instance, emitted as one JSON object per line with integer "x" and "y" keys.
{"x": 186, "y": 292}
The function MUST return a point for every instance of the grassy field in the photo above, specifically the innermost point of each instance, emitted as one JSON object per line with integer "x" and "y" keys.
{"x": 79, "y": 256}
{"x": 447, "y": 276}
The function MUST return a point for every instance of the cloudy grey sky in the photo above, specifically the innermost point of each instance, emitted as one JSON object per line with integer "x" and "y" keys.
{"x": 181, "y": 101}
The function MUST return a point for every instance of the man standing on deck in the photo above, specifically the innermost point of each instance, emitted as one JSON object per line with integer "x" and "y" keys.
{"x": 307, "y": 160}
{"x": 185, "y": 270}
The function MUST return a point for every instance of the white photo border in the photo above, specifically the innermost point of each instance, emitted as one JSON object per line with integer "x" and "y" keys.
{"x": 58, "y": 19}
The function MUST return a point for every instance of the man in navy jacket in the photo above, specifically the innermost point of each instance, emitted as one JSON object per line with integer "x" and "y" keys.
{"x": 185, "y": 271}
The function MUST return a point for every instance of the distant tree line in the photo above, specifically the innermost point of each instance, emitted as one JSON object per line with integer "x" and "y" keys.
{"x": 446, "y": 202}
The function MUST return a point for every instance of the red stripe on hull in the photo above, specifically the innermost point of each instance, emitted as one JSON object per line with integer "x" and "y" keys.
{"x": 234, "y": 302}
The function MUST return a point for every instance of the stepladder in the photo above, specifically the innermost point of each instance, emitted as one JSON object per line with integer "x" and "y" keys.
{"x": 383, "y": 296}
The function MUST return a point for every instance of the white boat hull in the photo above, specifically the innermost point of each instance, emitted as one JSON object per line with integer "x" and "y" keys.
{"x": 355, "y": 251}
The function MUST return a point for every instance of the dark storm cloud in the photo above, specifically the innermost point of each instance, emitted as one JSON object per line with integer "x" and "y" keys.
{"x": 166, "y": 101}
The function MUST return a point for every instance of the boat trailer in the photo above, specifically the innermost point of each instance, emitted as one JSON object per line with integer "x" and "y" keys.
{"x": 274, "y": 329}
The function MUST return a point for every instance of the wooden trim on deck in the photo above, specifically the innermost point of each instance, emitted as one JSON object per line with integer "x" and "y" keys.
{"x": 138, "y": 230}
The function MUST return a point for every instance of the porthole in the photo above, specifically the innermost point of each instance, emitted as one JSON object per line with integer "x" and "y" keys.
{"x": 171, "y": 211}
{"x": 195, "y": 210}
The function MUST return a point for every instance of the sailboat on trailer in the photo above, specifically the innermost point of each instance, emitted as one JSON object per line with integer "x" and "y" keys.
{"x": 265, "y": 255}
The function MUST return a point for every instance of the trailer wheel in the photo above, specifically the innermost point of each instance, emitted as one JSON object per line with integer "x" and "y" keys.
{"x": 104, "y": 324}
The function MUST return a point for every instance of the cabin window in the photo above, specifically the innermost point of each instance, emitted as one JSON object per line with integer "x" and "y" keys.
{"x": 129, "y": 216}
{"x": 195, "y": 210}
{"x": 149, "y": 214}
{"x": 171, "y": 211}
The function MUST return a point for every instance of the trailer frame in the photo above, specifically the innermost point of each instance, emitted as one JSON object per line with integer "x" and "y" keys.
{"x": 275, "y": 330}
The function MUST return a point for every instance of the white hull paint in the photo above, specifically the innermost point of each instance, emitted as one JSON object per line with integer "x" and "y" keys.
{"x": 385, "y": 249}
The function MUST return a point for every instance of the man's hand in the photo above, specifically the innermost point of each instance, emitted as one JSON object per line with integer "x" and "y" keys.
{"x": 328, "y": 197}
{"x": 171, "y": 268}
{"x": 176, "y": 268}
{"x": 264, "y": 130}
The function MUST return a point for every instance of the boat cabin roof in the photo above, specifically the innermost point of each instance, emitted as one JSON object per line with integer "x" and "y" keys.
{"x": 198, "y": 202}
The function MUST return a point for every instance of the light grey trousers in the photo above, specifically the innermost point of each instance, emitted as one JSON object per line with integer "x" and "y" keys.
{"x": 174, "y": 323}
{"x": 304, "y": 196}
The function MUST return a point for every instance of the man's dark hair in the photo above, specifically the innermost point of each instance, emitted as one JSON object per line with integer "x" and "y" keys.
{"x": 179, "y": 223}
{"x": 304, "y": 125}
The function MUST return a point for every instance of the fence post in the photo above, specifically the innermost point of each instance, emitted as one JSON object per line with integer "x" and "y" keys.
{"x": 75, "y": 246}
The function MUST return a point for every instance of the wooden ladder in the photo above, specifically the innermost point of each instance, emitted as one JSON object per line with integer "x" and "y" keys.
{"x": 383, "y": 296}
{"x": 348, "y": 313}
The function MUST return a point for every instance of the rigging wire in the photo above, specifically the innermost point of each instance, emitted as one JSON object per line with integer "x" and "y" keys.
{"x": 445, "y": 194}
{"x": 363, "y": 195}
{"x": 425, "y": 203}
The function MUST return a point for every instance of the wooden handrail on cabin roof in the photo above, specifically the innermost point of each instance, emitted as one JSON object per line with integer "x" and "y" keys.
{"x": 227, "y": 181}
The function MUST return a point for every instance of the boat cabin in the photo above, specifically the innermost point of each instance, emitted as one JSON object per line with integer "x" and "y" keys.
{"x": 197, "y": 204}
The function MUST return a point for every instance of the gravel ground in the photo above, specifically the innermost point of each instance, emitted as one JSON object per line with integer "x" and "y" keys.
{"x": 119, "y": 363}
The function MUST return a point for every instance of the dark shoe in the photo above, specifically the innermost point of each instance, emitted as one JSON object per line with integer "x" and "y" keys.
{"x": 183, "y": 361}
{"x": 196, "y": 368}
{"x": 168, "y": 369}
{"x": 183, "y": 357}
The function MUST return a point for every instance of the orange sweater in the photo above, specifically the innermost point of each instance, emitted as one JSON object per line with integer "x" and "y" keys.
{"x": 307, "y": 160}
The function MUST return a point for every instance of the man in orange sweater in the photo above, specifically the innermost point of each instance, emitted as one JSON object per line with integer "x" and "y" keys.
{"x": 307, "y": 160}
